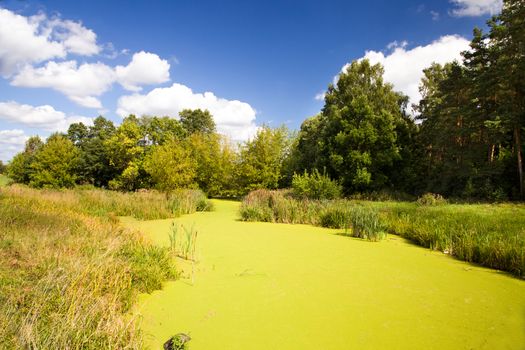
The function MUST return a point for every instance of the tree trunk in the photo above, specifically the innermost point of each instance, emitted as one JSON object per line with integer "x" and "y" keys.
{"x": 517, "y": 140}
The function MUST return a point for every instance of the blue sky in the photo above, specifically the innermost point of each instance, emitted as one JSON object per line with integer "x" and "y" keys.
{"x": 249, "y": 62}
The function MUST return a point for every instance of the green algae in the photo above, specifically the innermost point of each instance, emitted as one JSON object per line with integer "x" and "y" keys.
{"x": 261, "y": 285}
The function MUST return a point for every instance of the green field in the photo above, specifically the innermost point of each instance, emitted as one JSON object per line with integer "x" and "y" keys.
{"x": 264, "y": 285}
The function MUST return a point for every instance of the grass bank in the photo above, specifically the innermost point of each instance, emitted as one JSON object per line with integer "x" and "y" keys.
{"x": 492, "y": 235}
{"x": 69, "y": 272}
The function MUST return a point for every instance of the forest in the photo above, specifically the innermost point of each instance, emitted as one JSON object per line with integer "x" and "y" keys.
{"x": 462, "y": 140}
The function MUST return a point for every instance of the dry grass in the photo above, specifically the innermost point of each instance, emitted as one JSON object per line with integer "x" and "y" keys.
{"x": 67, "y": 278}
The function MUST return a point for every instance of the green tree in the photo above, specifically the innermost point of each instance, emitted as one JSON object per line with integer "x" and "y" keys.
{"x": 94, "y": 165}
{"x": 125, "y": 150}
{"x": 215, "y": 163}
{"x": 157, "y": 130}
{"x": 197, "y": 121}
{"x": 19, "y": 168}
{"x": 171, "y": 166}
{"x": 55, "y": 163}
{"x": 507, "y": 36}
{"x": 359, "y": 122}
{"x": 262, "y": 158}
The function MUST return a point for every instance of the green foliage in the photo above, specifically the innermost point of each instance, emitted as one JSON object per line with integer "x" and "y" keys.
{"x": 197, "y": 121}
{"x": 124, "y": 152}
{"x": 471, "y": 114}
{"x": 4, "y": 180}
{"x": 171, "y": 166}
{"x": 55, "y": 163}
{"x": 261, "y": 159}
{"x": 315, "y": 186}
{"x": 94, "y": 162}
{"x": 215, "y": 162}
{"x": 19, "y": 169}
{"x": 359, "y": 127}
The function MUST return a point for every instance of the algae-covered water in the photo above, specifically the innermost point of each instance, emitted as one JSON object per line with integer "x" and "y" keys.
{"x": 275, "y": 286}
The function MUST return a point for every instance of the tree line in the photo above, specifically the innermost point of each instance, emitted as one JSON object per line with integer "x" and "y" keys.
{"x": 464, "y": 138}
{"x": 152, "y": 152}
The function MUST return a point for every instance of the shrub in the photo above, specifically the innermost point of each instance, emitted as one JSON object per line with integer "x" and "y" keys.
{"x": 315, "y": 186}
{"x": 431, "y": 199}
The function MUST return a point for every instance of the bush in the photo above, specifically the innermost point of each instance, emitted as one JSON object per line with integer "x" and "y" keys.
{"x": 431, "y": 199}
{"x": 315, "y": 186}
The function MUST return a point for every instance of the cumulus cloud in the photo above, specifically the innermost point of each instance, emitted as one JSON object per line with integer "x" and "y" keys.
{"x": 40, "y": 117}
{"x": 35, "y": 39}
{"x": 475, "y": 8}
{"x": 404, "y": 67}
{"x": 75, "y": 37}
{"x": 233, "y": 118}
{"x": 85, "y": 83}
{"x": 82, "y": 84}
{"x": 144, "y": 68}
{"x": 11, "y": 142}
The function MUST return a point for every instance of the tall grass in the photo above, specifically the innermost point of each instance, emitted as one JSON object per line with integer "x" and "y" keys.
{"x": 68, "y": 278}
{"x": 143, "y": 205}
{"x": 492, "y": 235}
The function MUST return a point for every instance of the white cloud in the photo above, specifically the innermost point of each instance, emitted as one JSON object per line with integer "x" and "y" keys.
{"x": 85, "y": 83}
{"x": 404, "y": 67}
{"x": 34, "y": 39}
{"x": 474, "y": 8}
{"x": 81, "y": 84}
{"x": 39, "y": 117}
{"x": 320, "y": 96}
{"x": 144, "y": 68}
{"x": 75, "y": 37}
{"x": 11, "y": 142}
{"x": 233, "y": 118}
